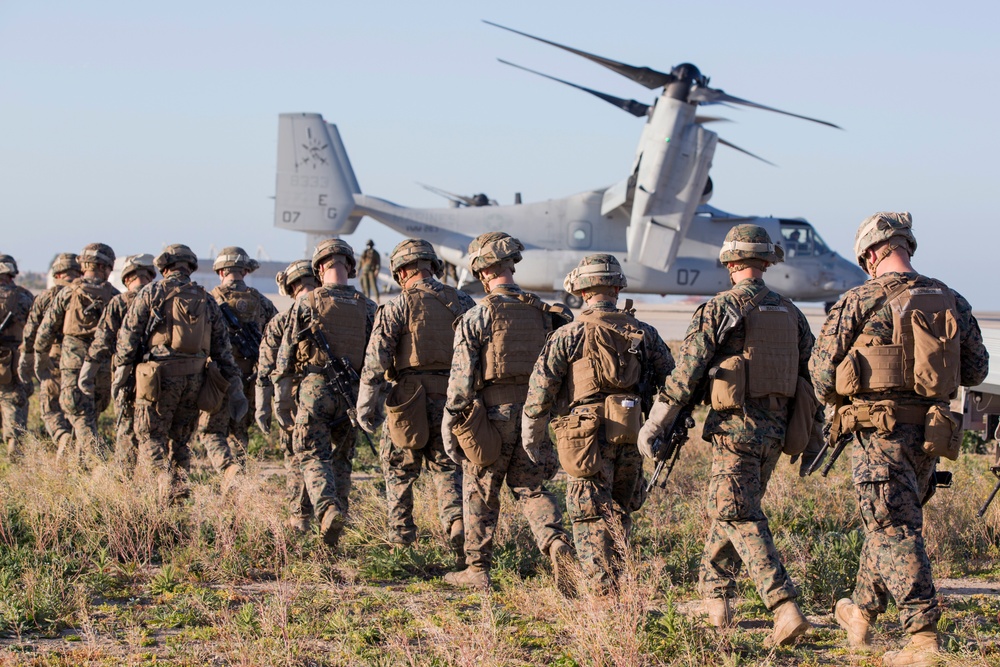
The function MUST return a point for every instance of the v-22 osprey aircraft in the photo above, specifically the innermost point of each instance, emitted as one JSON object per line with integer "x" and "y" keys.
{"x": 656, "y": 220}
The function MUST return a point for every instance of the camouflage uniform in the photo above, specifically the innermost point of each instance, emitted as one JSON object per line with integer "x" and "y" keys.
{"x": 524, "y": 478}
{"x": 16, "y": 302}
{"x": 603, "y": 502}
{"x": 80, "y": 409}
{"x": 892, "y": 474}
{"x": 164, "y": 427}
{"x": 401, "y": 462}
{"x": 371, "y": 264}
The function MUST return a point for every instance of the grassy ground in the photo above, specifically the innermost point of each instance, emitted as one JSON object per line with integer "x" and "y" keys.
{"x": 96, "y": 570}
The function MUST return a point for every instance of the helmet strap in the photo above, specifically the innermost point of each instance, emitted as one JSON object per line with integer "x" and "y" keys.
{"x": 881, "y": 254}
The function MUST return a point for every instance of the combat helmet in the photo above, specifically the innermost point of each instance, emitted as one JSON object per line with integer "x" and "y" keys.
{"x": 594, "y": 270}
{"x": 177, "y": 254}
{"x": 493, "y": 248}
{"x": 235, "y": 257}
{"x": 881, "y": 227}
{"x": 137, "y": 263}
{"x": 414, "y": 250}
{"x": 8, "y": 266}
{"x": 97, "y": 253}
{"x": 65, "y": 261}
{"x": 335, "y": 247}
{"x": 750, "y": 242}
{"x": 296, "y": 271}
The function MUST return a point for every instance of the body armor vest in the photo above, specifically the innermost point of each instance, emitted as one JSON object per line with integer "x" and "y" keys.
{"x": 771, "y": 350}
{"x": 186, "y": 327}
{"x": 925, "y": 354}
{"x": 87, "y": 302}
{"x": 611, "y": 356}
{"x": 244, "y": 302}
{"x": 8, "y": 302}
{"x": 518, "y": 334}
{"x": 427, "y": 344}
{"x": 343, "y": 322}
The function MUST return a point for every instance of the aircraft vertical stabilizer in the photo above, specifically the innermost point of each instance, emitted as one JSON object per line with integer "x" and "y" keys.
{"x": 315, "y": 183}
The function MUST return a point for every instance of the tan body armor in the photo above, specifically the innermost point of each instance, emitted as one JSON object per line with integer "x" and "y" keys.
{"x": 343, "y": 321}
{"x": 186, "y": 328}
{"x": 924, "y": 356}
{"x": 427, "y": 344}
{"x": 14, "y": 332}
{"x": 87, "y": 302}
{"x": 610, "y": 361}
{"x": 518, "y": 334}
{"x": 244, "y": 302}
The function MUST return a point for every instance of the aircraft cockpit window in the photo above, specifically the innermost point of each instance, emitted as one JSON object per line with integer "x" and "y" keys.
{"x": 802, "y": 240}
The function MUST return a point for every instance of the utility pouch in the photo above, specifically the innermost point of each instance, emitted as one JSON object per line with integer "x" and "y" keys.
{"x": 576, "y": 443}
{"x": 936, "y": 354}
{"x": 406, "y": 416}
{"x": 214, "y": 389}
{"x": 147, "y": 381}
{"x": 8, "y": 366}
{"x": 801, "y": 419}
{"x": 729, "y": 383}
{"x": 848, "y": 376}
{"x": 942, "y": 432}
{"x": 478, "y": 438}
{"x": 622, "y": 418}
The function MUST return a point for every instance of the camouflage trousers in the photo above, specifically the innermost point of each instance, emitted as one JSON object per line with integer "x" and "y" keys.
{"x": 739, "y": 533}
{"x": 164, "y": 428}
{"x": 126, "y": 441}
{"x": 369, "y": 285}
{"x": 14, "y": 413}
{"x": 323, "y": 442}
{"x": 81, "y": 410}
{"x": 401, "y": 467}
{"x": 214, "y": 435}
{"x": 525, "y": 480}
{"x": 56, "y": 424}
{"x": 600, "y": 508}
{"x": 892, "y": 476}
{"x": 299, "y": 505}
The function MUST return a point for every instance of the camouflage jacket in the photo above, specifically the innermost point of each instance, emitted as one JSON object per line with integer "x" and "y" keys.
{"x": 371, "y": 261}
{"x": 74, "y": 350}
{"x": 132, "y": 336}
{"x": 565, "y": 346}
{"x": 270, "y": 343}
{"x": 300, "y": 316}
{"x": 237, "y": 294}
{"x": 865, "y": 310}
{"x": 106, "y": 337}
{"x": 37, "y": 314}
{"x": 702, "y": 347}
{"x": 391, "y": 322}
{"x": 20, "y": 311}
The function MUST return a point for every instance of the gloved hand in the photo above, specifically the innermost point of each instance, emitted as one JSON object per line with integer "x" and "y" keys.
{"x": 238, "y": 403}
{"x": 263, "y": 414}
{"x": 26, "y": 369}
{"x": 284, "y": 403}
{"x": 535, "y": 437}
{"x": 451, "y": 446}
{"x": 368, "y": 411}
{"x": 119, "y": 380}
{"x": 661, "y": 417}
{"x": 43, "y": 367}
{"x": 87, "y": 379}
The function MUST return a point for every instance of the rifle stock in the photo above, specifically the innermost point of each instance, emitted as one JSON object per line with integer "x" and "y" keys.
{"x": 996, "y": 489}
{"x": 244, "y": 337}
{"x": 669, "y": 449}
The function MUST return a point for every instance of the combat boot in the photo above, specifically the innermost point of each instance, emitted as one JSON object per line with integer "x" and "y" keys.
{"x": 562, "y": 562}
{"x": 921, "y": 651}
{"x": 229, "y": 476}
{"x": 719, "y": 611}
{"x": 470, "y": 577}
{"x": 789, "y": 623}
{"x": 456, "y": 539}
{"x": 300, "y": 524}
{"x": 856, "y": 621}
{"x": 332, "y": 526}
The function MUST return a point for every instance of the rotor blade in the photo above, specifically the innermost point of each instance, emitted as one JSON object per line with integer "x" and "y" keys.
{"x": 637, "y": 109}
{"x": 744, "y": 151}
{"x": 711, "y": 119}
{"x": 458, "y": 199}
{"x": 641, "y": 75}
{"x": 713, "y": 95}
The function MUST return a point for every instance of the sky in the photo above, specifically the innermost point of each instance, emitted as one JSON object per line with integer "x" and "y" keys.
{"x": 142, "y": 124}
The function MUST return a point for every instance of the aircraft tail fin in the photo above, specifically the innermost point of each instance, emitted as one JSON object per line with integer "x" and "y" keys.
{"x": 315, "y": 182}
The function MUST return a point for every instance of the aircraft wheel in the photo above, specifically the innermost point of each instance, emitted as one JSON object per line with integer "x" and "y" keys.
{"x": 572, "y": 300}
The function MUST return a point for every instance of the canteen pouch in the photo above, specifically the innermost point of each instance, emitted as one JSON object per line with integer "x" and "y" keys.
{"x": 801, "y": 418}
{"x": 7, "y": 366}
{"x": 147, "y": 381}
{"x": 622, "y": 419}
{"x": 848, "y": 377}
{"x": 214, "y": 389}
{"x": 406, "y": 416}
{"x": 942, "y": 432}
{"x": 729, "y": 383}
{"x": 576, "y": 443}
{"x": 478, "y": 438}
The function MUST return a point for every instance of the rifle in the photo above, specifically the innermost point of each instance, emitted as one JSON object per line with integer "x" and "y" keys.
{"x": 668, "y": 448}
{"x": 996, "y": 489}
{"x": 245, "y": 337}
{"x": 127, "y": 396}
{"x": 341, "y": 377}
{"x": 6, "y": 323}
{"x": 832, "y": 435}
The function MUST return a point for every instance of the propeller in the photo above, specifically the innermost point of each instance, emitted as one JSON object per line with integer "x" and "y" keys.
{"x": 637, "y": 109}
{"x": 461, "y": 200}
{"x": 705, "y": 95}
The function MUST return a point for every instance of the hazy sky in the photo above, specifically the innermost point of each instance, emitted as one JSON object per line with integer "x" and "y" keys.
{"x": 140, "y": 124}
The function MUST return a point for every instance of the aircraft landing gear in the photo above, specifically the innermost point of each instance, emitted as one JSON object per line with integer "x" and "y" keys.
{"x": 571, "y": 300}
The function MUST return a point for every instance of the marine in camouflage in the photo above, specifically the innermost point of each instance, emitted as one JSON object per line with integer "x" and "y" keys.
{"x": 16, "y": 302}
{"x": 371, "y": 264}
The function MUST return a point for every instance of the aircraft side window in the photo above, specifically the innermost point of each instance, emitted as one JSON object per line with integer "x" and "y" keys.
{"x": 580, "y": 235}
